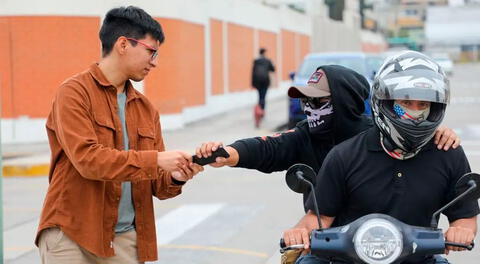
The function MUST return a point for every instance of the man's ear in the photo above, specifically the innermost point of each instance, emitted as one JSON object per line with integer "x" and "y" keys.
{"x": 121, "y": 45}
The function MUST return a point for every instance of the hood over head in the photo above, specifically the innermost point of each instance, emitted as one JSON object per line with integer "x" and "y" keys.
{"x": 349, "y": 90}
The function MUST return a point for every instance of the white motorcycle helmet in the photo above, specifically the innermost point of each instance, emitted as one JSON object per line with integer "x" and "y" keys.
{"x": 409, "y": 75}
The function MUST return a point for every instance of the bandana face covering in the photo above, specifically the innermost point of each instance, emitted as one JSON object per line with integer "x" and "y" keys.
{"x": 405, "y": 113}
{"x": 319, "y": 119}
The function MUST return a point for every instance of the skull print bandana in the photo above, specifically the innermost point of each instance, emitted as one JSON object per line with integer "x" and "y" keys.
{"x": 319, "y": 119}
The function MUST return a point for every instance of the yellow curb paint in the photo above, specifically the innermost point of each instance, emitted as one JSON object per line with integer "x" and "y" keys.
{"x": 218, "y": 249}
{"x": 25, "y": 171}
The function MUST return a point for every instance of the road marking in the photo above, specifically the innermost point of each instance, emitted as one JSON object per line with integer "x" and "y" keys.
{"x": 217, "y": 249}
{"x": 19, "y": 240}
{"x": 177, "y": 222}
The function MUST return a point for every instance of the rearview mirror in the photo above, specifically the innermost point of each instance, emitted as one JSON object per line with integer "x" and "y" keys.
{"x": 467, "y": 181}
{"x": 296, "y": 183}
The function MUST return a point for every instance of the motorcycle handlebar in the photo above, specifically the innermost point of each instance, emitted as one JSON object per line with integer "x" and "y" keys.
{"x": 468, "y": 247}
{"x": 283, "y": 246}
{"x": 282, "y": 243}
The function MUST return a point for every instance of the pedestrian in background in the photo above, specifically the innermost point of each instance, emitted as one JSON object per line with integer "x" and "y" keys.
{"x": 262, "y": 66}
{"x": 108, "y": 157}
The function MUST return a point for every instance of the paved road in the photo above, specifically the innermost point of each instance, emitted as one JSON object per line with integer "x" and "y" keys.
{"x": 229, "y": 215}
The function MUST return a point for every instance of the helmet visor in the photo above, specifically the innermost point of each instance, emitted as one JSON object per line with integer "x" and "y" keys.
{"x": 431, "y": 87}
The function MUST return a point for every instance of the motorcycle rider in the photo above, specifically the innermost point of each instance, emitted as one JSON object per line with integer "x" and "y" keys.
{"x": 393, "y": 167}
{"x": 333, "y": 101}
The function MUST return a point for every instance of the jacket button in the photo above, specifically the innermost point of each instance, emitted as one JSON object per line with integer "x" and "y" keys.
{"x": 118, "y": 198}
{"x": 399, "y": 174}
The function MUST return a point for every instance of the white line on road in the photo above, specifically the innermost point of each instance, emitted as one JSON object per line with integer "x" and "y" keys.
{"x": 179, "y": 221}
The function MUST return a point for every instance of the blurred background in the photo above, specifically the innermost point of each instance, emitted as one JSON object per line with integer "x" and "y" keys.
{"x": 202, "y": 88}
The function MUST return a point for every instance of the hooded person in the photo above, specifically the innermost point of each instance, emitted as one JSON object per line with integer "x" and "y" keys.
{"x": 340, "y": 118}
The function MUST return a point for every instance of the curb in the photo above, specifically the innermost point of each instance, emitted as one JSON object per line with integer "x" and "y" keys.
{"x": 25, "y": 170}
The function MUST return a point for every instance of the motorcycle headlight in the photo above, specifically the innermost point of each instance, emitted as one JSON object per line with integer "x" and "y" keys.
{"x": 378, "y": 241}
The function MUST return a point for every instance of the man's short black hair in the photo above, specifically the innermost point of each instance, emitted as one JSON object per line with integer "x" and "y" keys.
{"x": 131, "y": 22}
{"x": 262, "y": 51}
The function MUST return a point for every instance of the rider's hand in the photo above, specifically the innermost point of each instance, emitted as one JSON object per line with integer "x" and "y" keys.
{"x": 206, "y": 149}
{"x": 173, "y": 160}
{"x": 297, "y": 235}
{"x": 446, "y": 138}
{"x": 458, "y": 234}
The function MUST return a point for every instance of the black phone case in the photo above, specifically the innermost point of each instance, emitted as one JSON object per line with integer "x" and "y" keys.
{"x": 221, "y": 152}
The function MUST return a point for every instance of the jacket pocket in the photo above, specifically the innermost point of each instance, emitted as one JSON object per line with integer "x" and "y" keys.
{"x": 146, "y": 138}
{"x": 105, "y": 130}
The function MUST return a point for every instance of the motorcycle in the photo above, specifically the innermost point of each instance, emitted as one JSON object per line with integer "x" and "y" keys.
{"x": 377, "y": 238}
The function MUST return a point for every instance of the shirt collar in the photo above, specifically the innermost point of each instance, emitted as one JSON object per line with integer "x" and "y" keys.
{"x": 98, "y": 75}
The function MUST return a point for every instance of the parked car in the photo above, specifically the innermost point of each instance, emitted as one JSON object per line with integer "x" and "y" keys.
{"x": 363, "y": 63}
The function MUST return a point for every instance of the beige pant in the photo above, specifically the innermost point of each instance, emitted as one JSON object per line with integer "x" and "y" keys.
{"x": 56, "y": 248}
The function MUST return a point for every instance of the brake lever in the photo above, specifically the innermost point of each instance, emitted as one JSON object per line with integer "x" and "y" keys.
{"x": 292, "y": 247}
{"x": 468, "y": 247}
{"x": 283, "y": 246}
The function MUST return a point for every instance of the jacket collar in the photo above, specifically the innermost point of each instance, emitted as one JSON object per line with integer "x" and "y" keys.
{"x": 98, "y": 75}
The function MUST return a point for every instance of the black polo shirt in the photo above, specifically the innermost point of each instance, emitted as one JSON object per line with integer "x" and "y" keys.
{"x": 358, "y": 178}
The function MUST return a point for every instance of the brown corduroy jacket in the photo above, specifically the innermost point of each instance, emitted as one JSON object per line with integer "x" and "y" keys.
{"x": 88, "y": 164}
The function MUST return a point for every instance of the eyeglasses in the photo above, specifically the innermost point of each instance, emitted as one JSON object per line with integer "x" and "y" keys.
{"x": 315, "y": 102}
{"x": 150, "y": 48}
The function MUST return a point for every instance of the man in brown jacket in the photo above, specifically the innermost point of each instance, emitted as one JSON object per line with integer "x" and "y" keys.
{"x": 108, "y": 157}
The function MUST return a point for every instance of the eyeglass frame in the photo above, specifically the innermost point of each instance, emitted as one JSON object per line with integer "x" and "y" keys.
{"x": 150, "y": 48}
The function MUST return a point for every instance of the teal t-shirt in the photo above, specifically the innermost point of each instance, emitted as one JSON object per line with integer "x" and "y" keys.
{"x": 126, "y": 212}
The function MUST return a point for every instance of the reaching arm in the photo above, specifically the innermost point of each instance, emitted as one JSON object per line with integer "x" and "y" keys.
{"x": 266, "y": 154}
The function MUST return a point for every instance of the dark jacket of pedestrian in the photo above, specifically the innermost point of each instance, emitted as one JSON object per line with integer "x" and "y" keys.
{"x": 262, "y": 66}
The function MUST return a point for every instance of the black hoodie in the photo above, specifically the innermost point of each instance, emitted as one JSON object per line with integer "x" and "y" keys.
{"x": 267, "y": 154}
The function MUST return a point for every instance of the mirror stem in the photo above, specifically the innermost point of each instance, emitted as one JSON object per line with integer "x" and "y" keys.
{"x": 299, "y": 175}
{"x": 433, "y": 222}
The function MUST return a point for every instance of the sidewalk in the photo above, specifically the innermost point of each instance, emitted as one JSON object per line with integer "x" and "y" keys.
{"x": 33, "y": 159}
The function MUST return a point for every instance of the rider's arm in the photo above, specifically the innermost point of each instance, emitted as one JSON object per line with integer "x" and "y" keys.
{"x": 270, "y": 153}
{"x": 310, "y": 222}
{"x": 299, "y": 234}
{"x": 469, "y": 223}
{"x": 461, "y": 231}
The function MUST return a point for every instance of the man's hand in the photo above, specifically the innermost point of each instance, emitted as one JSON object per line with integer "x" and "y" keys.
{"x": 206, "y": 149}
{"x": 297, "y": 235}
{"x": 188, "y": 173}
{"x": 446, "y": 138}
{"x": 458, "y": 234}
{"x": 173, "y": 160}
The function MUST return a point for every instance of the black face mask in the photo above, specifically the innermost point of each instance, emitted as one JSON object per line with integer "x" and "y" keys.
{"x": 320, "y": 118}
